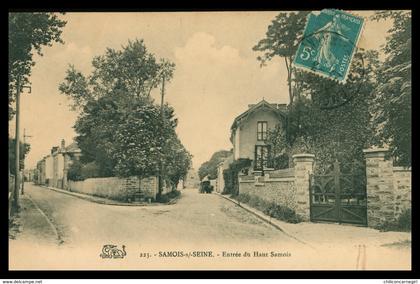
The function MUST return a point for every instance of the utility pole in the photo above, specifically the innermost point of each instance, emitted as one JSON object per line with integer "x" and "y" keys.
{"x": 17, "y": 156}
{"x": 24, "y": 143}
{"x": 161, "y": 170}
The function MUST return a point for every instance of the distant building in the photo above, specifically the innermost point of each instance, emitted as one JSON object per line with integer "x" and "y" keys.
{"x": 53, "y": 168}
{"x": 192, "y": 180}
{"x": 29, "y": 174}
{"x": 40, "y": 166}
{"x": 49, "y": 169}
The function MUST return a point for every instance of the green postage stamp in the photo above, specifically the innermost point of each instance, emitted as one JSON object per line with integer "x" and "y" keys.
{"x": 328, "y": 44}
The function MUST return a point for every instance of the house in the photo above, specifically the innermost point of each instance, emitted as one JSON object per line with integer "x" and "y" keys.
{"x": 191, "y": 179}
{"x": 249, "y": 132}
{"x": 29, "y": 174}
{"x": 49, "y": 171}
{"x": 40, "y": 166}
{"x": 53, "y": 168}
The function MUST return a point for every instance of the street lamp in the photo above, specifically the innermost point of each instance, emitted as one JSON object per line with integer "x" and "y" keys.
{"x": 17, "y": 143}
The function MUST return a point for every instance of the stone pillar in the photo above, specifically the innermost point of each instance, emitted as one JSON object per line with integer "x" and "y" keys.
{"x": 379, "y": 187}
{"x": 303, "y": 169}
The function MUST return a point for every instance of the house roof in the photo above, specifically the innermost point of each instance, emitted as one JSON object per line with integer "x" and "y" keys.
{"x": 263, "y": 104}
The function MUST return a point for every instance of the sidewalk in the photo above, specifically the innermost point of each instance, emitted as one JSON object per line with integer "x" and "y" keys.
{"x": 106, "y": 201}
{"x": 331, "y": 234}
{"x": 31, "y": 226}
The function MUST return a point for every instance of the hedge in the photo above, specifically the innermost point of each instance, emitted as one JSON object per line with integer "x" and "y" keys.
{"x": 271, "y": 209}
{"x": 230, "y": 175}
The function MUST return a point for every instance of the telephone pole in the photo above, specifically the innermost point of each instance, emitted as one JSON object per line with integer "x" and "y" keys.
{"x": 17, "y": 142}
{"x": 17, "y": 154}
{"x": 161, "y": 170}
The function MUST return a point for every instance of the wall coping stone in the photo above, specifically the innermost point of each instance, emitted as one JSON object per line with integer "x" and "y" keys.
{"x": 285, "y": 179}
{"x": 401, "y": 169}
{"x": 303, "y": 157}
{"x": 246, "y": 181}
{"x": 265, "y": 170}
{"x": 375, "y": 152}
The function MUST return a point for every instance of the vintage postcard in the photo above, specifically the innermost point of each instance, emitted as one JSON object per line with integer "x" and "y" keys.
{"x": 269, "y": 140}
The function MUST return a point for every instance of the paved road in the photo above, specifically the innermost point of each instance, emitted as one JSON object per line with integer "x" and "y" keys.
{"x": 195, "y": 218}
{"x": 204, "y": 222}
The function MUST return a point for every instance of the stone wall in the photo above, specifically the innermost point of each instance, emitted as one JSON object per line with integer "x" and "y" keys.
{"x": 388, "y": 188}
{"x": 150, "y": 187}
{"x": 379, "y": 187}
{"x": 123, "y": 189}
{"x": 288, "y": 187}
{"x": 402, "y": 190}
{"x": 304, "y": 164}
{"x": 280, "y": 190}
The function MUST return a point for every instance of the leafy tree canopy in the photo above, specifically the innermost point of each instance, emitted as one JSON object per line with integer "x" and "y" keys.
{"x": 120, "y": 129}
{"x": 28, "y": 33}
{"x": 393, "y": 101}
{"x": 209, "y": 168}
{"x": 23, "y": 151}
{"x": 131, "y": 71}
{"x": 282, "y": 39}
{"x": 329, "y": 133}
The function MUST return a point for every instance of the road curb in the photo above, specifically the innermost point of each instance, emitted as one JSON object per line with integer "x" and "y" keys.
{"x": 104, "y": 201}
{"x": 50, "y": 223}
{"x": 265, "y": 218}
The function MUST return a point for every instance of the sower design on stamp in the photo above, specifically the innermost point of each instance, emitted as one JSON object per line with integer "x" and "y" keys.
{"x": 328, "y": 44}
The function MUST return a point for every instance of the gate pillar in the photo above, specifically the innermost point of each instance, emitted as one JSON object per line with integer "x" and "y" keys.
{"x": 303, "y": 169}
{"x": 379, "y": 187}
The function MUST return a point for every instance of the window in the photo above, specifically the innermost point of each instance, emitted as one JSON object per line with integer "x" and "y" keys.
{"x": 262, "y": 130}
{"x": 262, "y": 155}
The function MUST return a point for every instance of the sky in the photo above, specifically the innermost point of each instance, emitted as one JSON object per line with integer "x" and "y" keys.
{"x": 217, "y": 74}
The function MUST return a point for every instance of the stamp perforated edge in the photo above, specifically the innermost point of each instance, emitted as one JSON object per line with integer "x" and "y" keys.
{"x": 320, "y": 73}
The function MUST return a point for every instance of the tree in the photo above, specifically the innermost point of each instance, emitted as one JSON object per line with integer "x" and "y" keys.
{"x": 132, "y": 71}
{"x": 393, "y": 101}
{"x": 29, "y": 32}
{"x": 120, "y": 129}
{"x": 209, "y": 168}
{"x": 23, "y": 151}
{"x": 177, "y": 161}
{"x": 75, "y": 171}
{"x": 337, "y": 133}
{"x": 119, "y": 126}
{"x": 137, "y": 142}
{"x": 282, "y": 39}
{"x": 124, "y": 136}
{"x": 330, "y": 133}
{"x": 95, "y": 130}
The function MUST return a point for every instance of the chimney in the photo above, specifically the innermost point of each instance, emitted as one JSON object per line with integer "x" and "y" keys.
{"x": 282, "y": 107}
{"x": 63, "y": 145}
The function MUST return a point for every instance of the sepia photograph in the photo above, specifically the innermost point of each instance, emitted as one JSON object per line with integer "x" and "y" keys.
{"x": 210, "y": 140}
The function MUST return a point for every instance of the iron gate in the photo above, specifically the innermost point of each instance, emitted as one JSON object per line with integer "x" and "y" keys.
{"x": 339, "y": 196}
